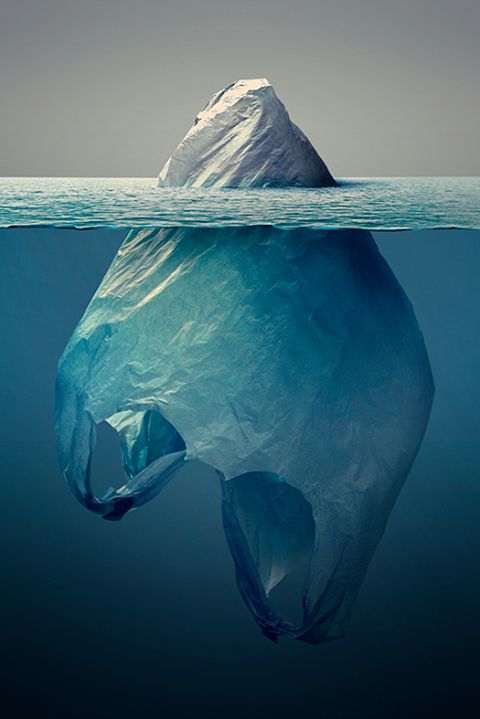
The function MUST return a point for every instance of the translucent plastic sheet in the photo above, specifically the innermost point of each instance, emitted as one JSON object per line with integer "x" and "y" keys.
{"x": 291, "y": 362}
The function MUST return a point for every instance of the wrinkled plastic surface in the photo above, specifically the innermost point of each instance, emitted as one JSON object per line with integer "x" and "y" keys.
{"x": 291, "y": 362}
{"x": 245, "y": 138}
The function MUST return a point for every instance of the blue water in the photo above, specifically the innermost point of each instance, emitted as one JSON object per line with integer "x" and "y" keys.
{"x": 142, "y": 617}
{"x": 368, "y": 203}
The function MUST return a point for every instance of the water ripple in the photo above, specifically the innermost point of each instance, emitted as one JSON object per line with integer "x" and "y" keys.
{"x": 368, "y": 203}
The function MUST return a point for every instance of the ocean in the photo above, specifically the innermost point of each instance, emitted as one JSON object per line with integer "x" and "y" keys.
{"x": 374, "y": 203}
{"x": 142, "y": 617}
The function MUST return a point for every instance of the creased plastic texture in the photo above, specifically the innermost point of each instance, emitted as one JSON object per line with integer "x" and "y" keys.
{"x": 245, "y": 138}
{"x": 290, "y": 361}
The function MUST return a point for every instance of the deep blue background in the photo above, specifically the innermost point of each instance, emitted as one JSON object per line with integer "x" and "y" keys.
{"x": 142, "y": 618}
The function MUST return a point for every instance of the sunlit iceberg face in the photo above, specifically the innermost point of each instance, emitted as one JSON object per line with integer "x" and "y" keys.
{"x": 291, "y": 362}
{"x": 244, "y": 138}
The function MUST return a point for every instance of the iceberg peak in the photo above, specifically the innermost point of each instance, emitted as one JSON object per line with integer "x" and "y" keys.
{"x": 244, "y": 138}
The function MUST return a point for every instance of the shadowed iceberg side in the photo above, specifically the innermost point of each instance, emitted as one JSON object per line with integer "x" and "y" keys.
{"x": 290, "y": 361}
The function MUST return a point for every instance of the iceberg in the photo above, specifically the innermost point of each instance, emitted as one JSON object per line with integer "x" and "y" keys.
{"x": 244, "y": 138}
{"x": 291, "y": 362}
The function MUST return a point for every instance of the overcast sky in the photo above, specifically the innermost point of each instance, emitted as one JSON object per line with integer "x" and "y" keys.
{"x": 381, "y": 87}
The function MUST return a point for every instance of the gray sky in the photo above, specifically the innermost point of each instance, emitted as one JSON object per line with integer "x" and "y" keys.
{"x": 109, "y": 87}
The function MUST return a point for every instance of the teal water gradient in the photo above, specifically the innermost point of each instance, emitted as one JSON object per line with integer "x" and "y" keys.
{"x": 142, "y": 618}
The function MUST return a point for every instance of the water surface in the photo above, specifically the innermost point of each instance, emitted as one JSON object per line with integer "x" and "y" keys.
{"x": 367, "y": 203}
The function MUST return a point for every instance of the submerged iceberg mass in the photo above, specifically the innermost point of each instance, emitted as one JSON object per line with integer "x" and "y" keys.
{"x": 291, "y": 362}
{"x": 245, "y": 138}
{"x": 288, "y": 360}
